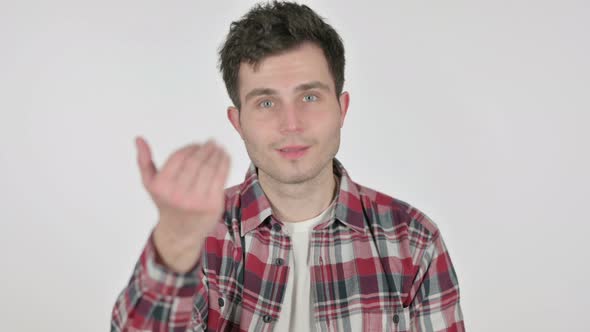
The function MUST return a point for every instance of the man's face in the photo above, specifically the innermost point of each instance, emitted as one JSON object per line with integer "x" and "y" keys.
{"x": 290, "y": 116}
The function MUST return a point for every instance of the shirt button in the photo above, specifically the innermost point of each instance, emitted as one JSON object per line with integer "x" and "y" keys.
{"x": 266, "y": 318}
{"x": 276, "y": 227}
{"x": 279, "y": 261}
{"x": 395, "y": 318}
{"x": 221, "y": 302}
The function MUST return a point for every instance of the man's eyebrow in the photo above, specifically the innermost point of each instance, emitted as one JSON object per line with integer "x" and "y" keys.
{"x": 260, "y": 92}
{"x": 312, "y": 85}
{"x": 301, "y": 87}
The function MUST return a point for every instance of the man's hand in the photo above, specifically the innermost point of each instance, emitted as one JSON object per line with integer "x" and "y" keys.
{"x": 189, "y": 194}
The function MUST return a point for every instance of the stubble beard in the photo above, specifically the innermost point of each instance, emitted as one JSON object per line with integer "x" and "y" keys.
{"x": 298, "y": 171}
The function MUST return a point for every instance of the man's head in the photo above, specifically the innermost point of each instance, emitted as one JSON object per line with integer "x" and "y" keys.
{"x": 284, "y": 70}
{"x": 272, "y": 28}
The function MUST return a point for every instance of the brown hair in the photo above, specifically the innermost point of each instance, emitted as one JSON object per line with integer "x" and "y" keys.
{"x": 272, "y": 28}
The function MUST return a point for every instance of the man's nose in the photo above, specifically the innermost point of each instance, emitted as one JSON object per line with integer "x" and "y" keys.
{"x": 291, "y": 119}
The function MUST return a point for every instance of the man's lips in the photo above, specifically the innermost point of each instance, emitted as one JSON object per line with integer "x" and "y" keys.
{"x": 293, "y": 151}
{"x": 293, "y": 148}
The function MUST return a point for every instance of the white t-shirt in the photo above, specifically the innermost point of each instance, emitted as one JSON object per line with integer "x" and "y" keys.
{"x": 296, "y": 312}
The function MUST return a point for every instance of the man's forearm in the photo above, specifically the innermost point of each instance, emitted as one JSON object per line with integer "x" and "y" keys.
{"x": 156, "y": 297}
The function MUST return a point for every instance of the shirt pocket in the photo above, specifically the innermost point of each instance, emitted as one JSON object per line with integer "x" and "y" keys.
{"x": 401, "y": 320}
{"x": 387, "y": 320}
{"x": 224, "y": 310}
{"x": 225, "y": 298}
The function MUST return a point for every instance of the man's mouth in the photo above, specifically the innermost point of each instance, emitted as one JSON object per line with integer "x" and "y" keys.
{"x": 293, "y": 152}
{"x": 293, "y": 148}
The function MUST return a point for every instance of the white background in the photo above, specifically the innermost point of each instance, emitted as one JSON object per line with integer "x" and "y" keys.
{"x": 476, "y": 112}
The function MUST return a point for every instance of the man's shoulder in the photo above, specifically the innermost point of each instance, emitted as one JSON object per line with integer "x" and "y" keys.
{"x": 392, "y": 212}
{"x": 233, "y": 191}
{"x": 226, "y": 226}
{"x": 232, "y": 198}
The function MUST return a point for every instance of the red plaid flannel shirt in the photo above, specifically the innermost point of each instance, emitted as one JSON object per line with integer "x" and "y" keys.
{"x": 377, "y": 264}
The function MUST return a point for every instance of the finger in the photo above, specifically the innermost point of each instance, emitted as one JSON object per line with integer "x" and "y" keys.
{"x": 191, "y": 166}
{"x": 147, "y": 168}
{"x": 219, "y": 179}
{"x": 175, "y": 163}
{"x": 201, "y": 181}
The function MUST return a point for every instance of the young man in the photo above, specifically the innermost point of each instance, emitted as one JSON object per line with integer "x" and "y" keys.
{"x": 298, "y": 245}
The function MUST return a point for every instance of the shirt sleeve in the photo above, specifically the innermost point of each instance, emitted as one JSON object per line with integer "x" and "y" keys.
{"x": 158, "y": 299}
{"x": 435, "y": 292}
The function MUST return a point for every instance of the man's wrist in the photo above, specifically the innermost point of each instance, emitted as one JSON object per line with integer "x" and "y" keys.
{"x": 179, "y": 254}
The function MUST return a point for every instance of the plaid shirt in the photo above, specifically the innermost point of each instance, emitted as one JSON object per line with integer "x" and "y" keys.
{"x": 377, "y": 264}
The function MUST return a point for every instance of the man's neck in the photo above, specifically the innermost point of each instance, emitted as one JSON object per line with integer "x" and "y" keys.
{"x": 302, "y": 201}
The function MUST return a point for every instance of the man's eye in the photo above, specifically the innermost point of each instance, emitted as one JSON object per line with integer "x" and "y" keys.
{"x": 266, "y": 104}
{"x": 310, "y": 98}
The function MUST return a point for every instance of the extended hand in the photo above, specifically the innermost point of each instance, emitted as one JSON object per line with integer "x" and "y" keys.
{"x": 189, "y": 194}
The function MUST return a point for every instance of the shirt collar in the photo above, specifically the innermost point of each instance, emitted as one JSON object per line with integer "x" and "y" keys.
{"x": 255, "y": 207}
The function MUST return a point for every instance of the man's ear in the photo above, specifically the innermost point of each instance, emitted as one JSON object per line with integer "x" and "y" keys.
{"x": 344, "y": 100}
{"x": 233, "y": 115}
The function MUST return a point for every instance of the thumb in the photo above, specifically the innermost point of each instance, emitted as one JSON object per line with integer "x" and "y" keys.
{"x": 144, "y": 160}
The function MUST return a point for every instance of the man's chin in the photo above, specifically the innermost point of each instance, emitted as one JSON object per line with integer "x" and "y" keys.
{"x": 290, "y": 176}
{"x": 286, "y": 171}
{"x": 297, "y": 179}
{"x": 286, "y": 174}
